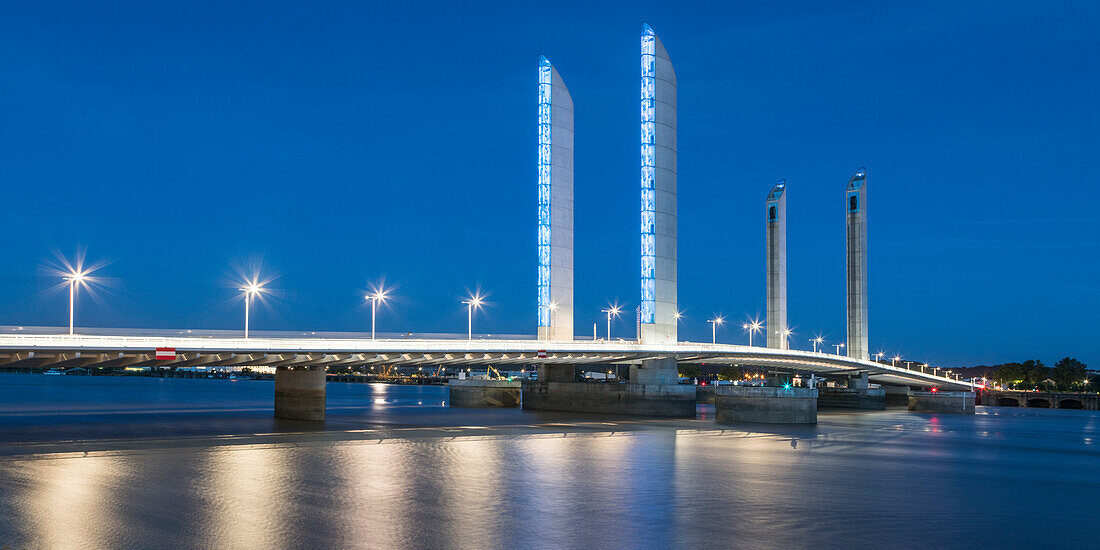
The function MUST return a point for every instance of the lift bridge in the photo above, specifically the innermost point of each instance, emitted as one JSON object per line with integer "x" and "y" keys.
{"x": 190, "y": 348}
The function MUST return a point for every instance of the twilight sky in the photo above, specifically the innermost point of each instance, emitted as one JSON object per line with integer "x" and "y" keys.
{"x": 339, "y": 143}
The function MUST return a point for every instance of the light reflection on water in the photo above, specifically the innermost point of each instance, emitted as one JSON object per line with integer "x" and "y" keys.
{"x": 884, "y": 479}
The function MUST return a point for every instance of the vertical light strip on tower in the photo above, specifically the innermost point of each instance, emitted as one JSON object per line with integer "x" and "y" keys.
{"x": 776, "y": 234}
{"x": 649, "y": 169}
{"x": 555, "y": 190}
{"x": 658, "y": 306}
{"x": 856, "y": 196}
{"x": 545, "y": 96}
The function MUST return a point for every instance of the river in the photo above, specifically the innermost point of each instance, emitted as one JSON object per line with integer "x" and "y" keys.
{"x": 114, "y": 462}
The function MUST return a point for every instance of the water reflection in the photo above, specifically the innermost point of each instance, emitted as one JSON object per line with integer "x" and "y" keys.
{"x": 68, "y": 502}
{"x": 374, "y": 486}
{"x": 241, "y": 489}
{"x": 512, "y": 479}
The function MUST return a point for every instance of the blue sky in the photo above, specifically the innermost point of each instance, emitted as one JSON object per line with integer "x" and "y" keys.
{"x": 342, "y": 142}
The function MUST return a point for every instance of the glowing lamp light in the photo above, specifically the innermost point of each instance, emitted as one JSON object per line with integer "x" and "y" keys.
{"x": 378, "y": 296}
{"x": 75, "y": 278}
{"x": 752, "y": 327}
{"x": 718, "y": 320}
{"x": 611, "y": 311}
{"x": 251, "y": 289}
{"x": 472, "y": 303}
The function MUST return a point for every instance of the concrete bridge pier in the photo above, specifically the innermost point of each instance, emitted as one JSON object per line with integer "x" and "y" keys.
{"x": 482, "y": 393}
{"x": 653, "y": 390}
{"x": 770, "y": 405}
{"x": 557, "y": 373}
{"x": 858, "y": 395}
{"x": 778, "y": 378}
{"x": 959, "y": 402}
{"x": 897, "y": 395}
{"x": 659, "y": 372}
{"x": 300, "y": 393}
{"x": 859, "y": 382}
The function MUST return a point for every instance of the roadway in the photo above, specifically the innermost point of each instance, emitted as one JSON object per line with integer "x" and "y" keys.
{"x": 119, "y": 350}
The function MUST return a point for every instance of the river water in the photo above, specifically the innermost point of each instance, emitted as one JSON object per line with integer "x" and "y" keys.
{"x": 104, "y": 462}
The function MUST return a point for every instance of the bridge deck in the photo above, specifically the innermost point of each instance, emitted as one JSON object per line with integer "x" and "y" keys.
{"x": 115, "y": 350}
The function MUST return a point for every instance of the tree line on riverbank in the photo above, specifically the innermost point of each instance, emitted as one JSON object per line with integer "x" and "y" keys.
{"x": 1068, "y": 374}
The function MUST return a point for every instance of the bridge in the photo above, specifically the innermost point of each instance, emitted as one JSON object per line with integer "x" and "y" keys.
{"x": 302, "y": 359}
{"x": 1045, "y": 400}
{"x": 64, "y": 350}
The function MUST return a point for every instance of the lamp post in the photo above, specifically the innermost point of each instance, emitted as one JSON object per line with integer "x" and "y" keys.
{"x": 894, "y": 360}
{"x": 251, "y": 290}
{"x": 817, "y": 341}
{"x": 378, "y": 296}
{"x": 787, "y": 337}
{"x": 473, "y": 302}
{"x": 838, "y": 346}
{"x": 74, "y": 278}
{"x": 878, "y": 357}
{"x": 714, "y": 328}
{"x": 751, "y": 328}
{"x": 611, "y": 311}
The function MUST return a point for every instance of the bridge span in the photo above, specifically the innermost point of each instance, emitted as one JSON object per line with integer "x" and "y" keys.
{"x": 64, "y": 350}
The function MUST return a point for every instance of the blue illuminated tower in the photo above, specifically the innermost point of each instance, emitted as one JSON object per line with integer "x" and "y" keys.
{"x": 857, "y": 265}
{"x": 555, "y": 214}
{"x": 775, "y": 217}
{"x": 658, "y": 182}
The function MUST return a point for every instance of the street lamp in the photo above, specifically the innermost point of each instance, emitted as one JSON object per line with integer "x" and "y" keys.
{"x": 787, "y": 337}
{"x": 473, "y": 302}
{"x": 74, "y": 278}
{"x": 838, "y": 346}
{"x": 817, "y": 341}
{"x": 611, "y": 311}
{"x": 878, "y": 356}
{"x": 894, "y": 361}
{"x": 751, "y": 328}
{"x": 378, "y": 296}
{"x": 714, "y": 327}
{"x": 251, "y": 290}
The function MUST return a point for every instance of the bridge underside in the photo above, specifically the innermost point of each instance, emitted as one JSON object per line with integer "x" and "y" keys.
{"x": 301, "y": 364}
{"x": 113, "y": 348}
{"x": 781, "y": 360}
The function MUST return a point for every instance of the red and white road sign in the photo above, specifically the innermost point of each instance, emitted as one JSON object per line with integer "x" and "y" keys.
{"x": 541, "y": 354}
{"x": 166, "y": 354}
